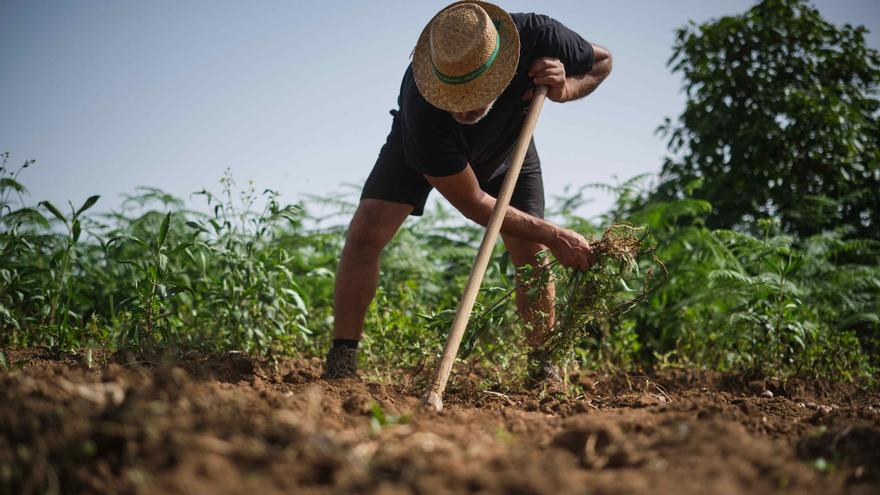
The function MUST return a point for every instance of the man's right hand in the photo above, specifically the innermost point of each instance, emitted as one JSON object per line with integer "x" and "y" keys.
{"x": 572, "y": 249}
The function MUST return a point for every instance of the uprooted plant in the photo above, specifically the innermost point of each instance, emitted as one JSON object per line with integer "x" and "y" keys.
{"x": 588, "y": 303}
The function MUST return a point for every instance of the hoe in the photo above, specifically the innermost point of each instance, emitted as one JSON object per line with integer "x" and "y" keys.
{"x": 434, "y": 395}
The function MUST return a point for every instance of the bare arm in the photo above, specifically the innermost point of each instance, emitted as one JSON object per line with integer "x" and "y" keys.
{"x": 562, "y": 88}
{"x": 463, "y": 191}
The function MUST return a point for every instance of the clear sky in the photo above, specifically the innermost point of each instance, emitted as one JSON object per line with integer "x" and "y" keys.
{"x": 110, "y": 95}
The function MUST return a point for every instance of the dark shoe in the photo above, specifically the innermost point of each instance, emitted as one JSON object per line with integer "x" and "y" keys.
{"x": 341, "y": 362}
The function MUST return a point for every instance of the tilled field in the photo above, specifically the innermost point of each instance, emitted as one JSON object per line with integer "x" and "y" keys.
{"x": 228, "y": 424}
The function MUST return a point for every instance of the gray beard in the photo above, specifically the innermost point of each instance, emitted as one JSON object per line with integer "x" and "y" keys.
{"x": 478, "y": 117}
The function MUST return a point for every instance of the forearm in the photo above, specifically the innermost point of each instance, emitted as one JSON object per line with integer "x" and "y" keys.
{"x": 463, "y": 191}
{"x": 516, "y": 223}
{"x": 581, "y": 85}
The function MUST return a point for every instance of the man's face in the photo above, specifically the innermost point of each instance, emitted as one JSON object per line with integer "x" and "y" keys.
{"x": 473, "y": 116}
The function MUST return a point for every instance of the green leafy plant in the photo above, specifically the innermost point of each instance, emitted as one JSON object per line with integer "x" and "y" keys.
{"x": 782, "y": 104}
{"x": 247, "y": 274}
{"x": 151, "y": 288}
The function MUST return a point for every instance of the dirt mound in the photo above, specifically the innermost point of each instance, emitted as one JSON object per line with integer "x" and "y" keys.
{"x": 228, "y": 424}
{"x": 853, "y": 445}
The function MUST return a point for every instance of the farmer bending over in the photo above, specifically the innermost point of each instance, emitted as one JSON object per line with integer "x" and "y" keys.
{"x": 462, "y": 103}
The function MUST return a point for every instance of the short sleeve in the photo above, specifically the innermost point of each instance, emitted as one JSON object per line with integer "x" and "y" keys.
{"x": 553, "y": 39}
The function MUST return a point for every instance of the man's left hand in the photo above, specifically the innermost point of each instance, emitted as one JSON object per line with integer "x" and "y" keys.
{"x": 551, "y": 73}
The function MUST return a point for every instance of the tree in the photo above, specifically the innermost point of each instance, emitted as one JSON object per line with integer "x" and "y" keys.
{"x": 781, "y": 120}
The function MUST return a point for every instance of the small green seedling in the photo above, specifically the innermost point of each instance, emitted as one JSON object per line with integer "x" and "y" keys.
{"x": 379, "y": 418}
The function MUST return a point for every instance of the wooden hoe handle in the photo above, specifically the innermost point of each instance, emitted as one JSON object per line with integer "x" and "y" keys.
{"x": 434, "y": 395}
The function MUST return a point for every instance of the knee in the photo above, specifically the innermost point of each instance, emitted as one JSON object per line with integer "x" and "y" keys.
{"x": 363, "y": 243}
{"x": 374, "y": 224}
{"x": 365, "y": 237}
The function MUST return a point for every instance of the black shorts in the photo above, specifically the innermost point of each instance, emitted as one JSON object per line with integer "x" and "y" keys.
{"x": 392, "y": 180}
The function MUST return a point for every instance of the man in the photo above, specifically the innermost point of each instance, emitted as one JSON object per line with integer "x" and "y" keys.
{"x": 462, "y": 104}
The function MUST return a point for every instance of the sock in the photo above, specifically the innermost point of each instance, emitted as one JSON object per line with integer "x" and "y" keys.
{"x": 347, "y": 343}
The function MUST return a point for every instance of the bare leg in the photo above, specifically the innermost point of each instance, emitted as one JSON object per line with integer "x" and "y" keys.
{"x": 537, "y": 312}
{"x": 374, "y": 224}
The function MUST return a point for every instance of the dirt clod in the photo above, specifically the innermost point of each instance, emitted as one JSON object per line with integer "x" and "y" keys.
{"x": 358, "y": 403}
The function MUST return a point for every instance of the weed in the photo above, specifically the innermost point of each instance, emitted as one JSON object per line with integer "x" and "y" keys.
{"x": 380, "y": 419}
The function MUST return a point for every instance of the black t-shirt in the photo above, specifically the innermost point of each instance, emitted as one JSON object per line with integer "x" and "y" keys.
{"x": 436, "y": 145}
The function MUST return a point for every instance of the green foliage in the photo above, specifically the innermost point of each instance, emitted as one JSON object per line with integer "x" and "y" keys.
{"x": 590, "y": 304}
{"x": 145, "y": 278}
{"x": 151, "y": 286}
{"x": 155, "y": 274}
{"x": 770, "y": 303}
{"x": 247, "y": 277}
{"x": 781, "y": 120}
{"x": 38, "y": 260}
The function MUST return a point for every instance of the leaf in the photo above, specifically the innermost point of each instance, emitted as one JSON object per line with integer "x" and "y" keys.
{"x": 196, "y": 226}
{"x": 183, "y": 246}
{"x": 88, "y": 204}
{"x": 297, "y": 300}
{"x": 4, "y": 311}
{"x": 503, "y": 264}
{"x": 163, "y": 262}
{"x": 27, "y": 215}
{"x": 163, "y": 230}
{"x": 76, "y": 229}
{"x": 321, "y": 272}
{"x": 303, "y": 329}
{"x": 118, "y": 239}
{"x": 139, "y": 266}
{"x": 730, "y": 276}
{"x": 9, "y": 183}
{"x": 52, "y": 209}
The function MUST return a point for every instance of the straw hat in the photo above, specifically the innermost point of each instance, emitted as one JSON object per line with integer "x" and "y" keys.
{"x": 466, "y": 56}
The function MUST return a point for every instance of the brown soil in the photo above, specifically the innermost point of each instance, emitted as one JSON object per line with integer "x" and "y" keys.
{"x": 228, "y": 424}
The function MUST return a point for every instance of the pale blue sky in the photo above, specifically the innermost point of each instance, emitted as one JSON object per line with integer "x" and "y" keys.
{"x": 109, "y": 95}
